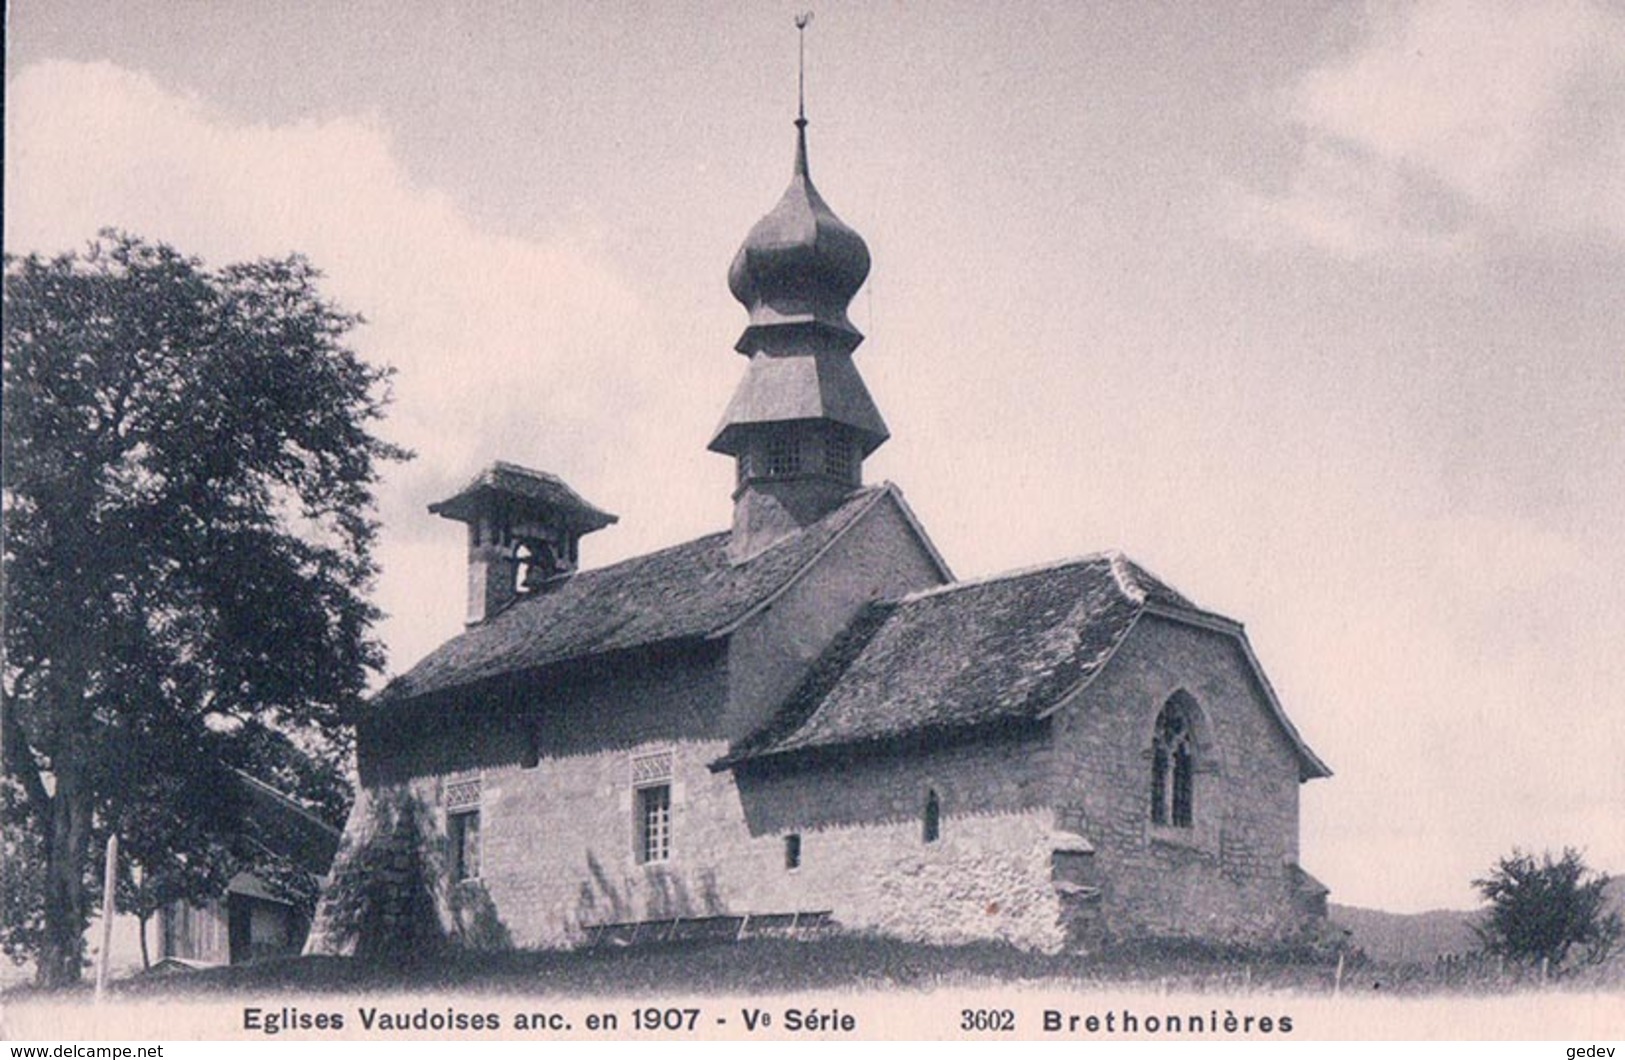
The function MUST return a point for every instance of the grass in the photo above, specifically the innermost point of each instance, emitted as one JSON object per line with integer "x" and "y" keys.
{"x": 777, "y": 966}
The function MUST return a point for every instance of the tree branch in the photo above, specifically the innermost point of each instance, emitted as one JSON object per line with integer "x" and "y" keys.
{"x": 19, "y": 759}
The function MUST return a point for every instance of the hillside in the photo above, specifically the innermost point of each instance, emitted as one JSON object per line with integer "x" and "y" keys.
{"x": 1402, "y": 937}
{"x": 1422, "y": 937}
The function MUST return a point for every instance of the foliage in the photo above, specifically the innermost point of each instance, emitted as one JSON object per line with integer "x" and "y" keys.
{"x": 188, "y": 476}
{"x": 1543, "y": 910}
{"x": 188, "y": 828}
{"x": 22, "y": 881}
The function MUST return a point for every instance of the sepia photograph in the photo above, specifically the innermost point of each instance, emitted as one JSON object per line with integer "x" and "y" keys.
{"x": 1073, "y": 521}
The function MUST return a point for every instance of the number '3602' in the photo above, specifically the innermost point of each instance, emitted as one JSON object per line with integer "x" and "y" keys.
{"x": 987, "y": 1019}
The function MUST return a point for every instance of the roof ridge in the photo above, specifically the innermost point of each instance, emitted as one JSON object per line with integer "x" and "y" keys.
{"x": 1122, "y": 569}
{"x": 1017, "y": 572}
{"x": 509, "y": 465}
{"x": 690, "y": 543}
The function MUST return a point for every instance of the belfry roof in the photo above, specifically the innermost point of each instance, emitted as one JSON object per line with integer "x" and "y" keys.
{"x": 524, "y": 488}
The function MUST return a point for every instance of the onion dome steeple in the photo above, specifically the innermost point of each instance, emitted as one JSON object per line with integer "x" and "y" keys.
{"x": 801, "y": 422}
{"x": 799, "y": 268}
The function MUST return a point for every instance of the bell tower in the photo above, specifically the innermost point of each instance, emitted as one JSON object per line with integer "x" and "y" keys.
{"x": 801, "y": 422}
{"x": 524, "y": 534}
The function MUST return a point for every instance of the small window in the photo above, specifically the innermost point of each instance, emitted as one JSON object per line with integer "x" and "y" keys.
{"x": 654, "y": 823}
{"x": 792, "y": 851}
{"x": 783, "y": 456}
{"x": 838, "y": 456}
{"x": 931, "y": 829}
{"x": 464, "y": 829}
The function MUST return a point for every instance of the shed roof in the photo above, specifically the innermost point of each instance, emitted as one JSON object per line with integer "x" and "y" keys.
{"x": 280, "y": 824}
{"x": 1006, "y": 649}
{"x": 688, "y": 590}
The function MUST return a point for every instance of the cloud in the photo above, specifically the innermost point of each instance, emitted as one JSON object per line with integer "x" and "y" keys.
{"x": 488, "y": 331}
{"x": 499, "y": 342}
{"x": 1454, "y": 123}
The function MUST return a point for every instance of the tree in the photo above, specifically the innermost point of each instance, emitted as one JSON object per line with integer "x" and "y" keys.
{"x": 1541, "y": 911}
{"x": 188, "y": 471}
{"x": 184, "y": 833}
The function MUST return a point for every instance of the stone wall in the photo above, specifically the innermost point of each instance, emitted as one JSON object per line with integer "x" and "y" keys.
{"x": 560, "y": 851}
{"x": 559, "y": 839}
{"x": 387, "y": 896}
{"x": 1229, "y": 877}
{"x": 553, "y": 761}
{"x": 864, "y": 854}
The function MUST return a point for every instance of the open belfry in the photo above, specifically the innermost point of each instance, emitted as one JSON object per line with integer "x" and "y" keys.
{"x": 805, "y": 722}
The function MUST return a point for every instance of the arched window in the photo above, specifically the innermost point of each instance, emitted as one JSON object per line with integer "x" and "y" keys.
{"x": 1173, "y": 764}
{"x": 931, "y": 830}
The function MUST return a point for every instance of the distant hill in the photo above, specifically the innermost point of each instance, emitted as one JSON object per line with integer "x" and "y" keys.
{"x": 1424, "y": 936}
{"x": 1407, "y": 936}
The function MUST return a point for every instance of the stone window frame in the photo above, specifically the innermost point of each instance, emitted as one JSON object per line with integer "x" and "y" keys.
{"x": 654, "y": 824}
{"x": 792, "y": 852}
{"x": 1173, "y": 767}
{"x": 1201, "y": 828}
{"x": 462, "y": 797}
{"x": 653, "y": 804}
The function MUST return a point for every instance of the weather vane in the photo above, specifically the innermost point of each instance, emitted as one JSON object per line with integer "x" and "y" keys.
{"x": 801, "y": 66}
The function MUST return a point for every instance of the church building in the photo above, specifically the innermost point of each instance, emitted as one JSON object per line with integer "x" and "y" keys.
{"x": 805, "y": 720}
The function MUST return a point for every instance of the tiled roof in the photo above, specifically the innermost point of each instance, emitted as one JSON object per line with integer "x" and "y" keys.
{"x": 967, "y": 654}
{"x": 1001, "y": 650}
{"x": 689, "y": 590}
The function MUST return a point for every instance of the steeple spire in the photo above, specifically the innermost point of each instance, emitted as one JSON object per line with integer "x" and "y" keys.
{"x": 802, "y": 21}
{"x": 800, "y": 265}
{"x": 802, "y": 420}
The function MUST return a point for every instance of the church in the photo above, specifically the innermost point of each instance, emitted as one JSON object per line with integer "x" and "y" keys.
{"x": 805, "y": 721}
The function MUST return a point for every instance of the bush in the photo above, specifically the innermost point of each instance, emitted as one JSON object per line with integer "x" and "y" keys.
{"x": 1546, "y": 910}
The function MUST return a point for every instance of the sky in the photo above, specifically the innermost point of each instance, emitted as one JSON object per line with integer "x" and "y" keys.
{"x": 1313, "y": 309}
